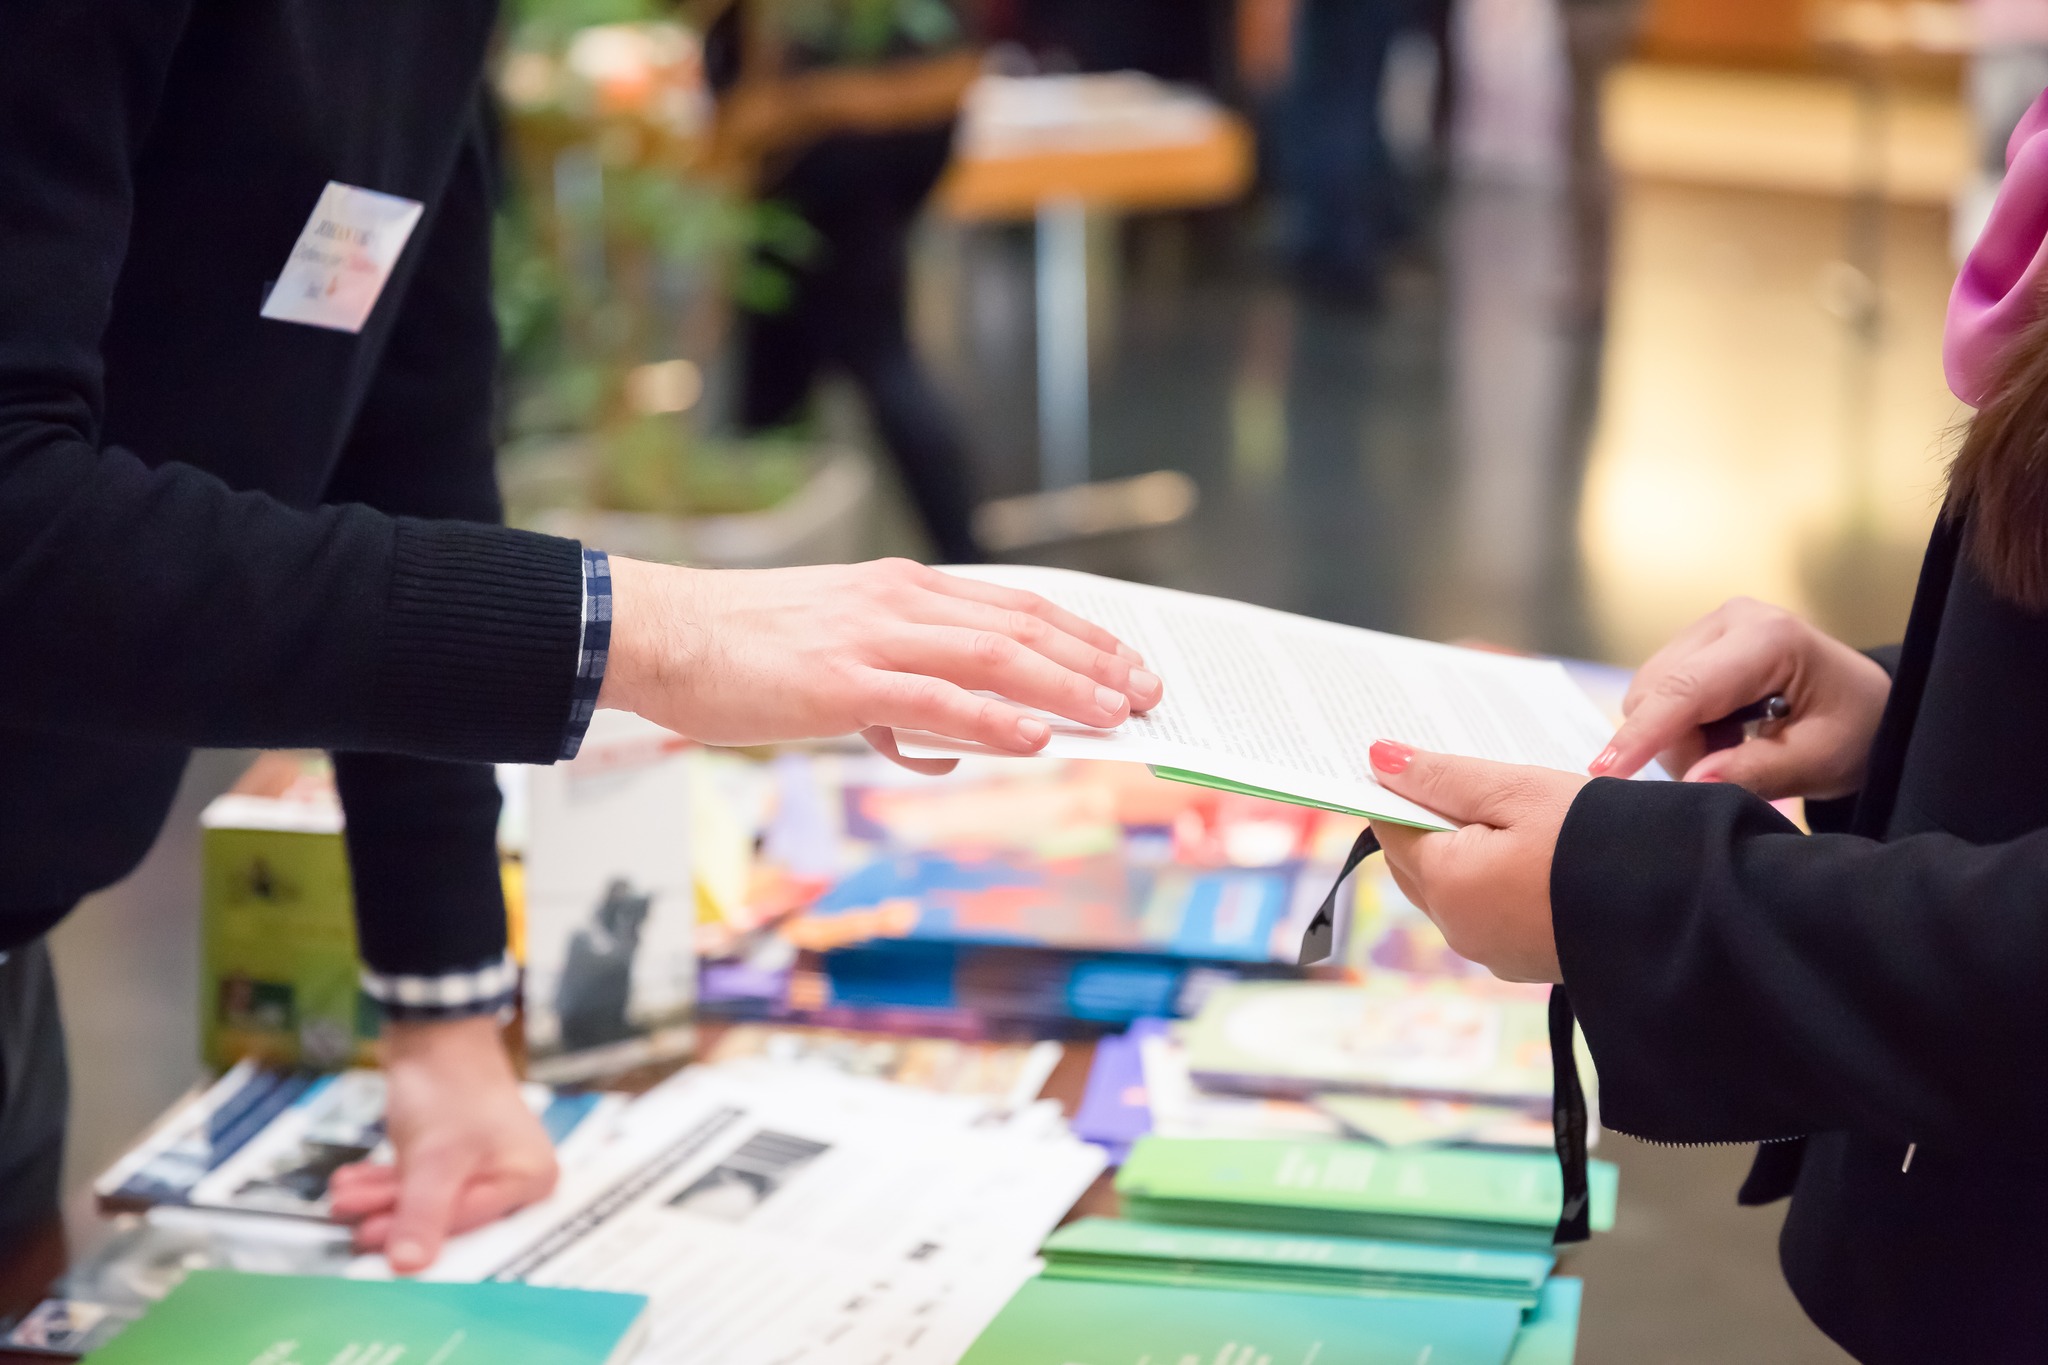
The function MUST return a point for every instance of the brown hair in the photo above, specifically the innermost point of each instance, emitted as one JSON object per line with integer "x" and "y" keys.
{"x": 1999, "y": 478}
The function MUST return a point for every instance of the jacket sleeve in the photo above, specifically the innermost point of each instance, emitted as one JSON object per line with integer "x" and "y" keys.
{"x": 158, "y": 605}
{"x": 422, "y": 834}
{"x": 1738, "y": 980}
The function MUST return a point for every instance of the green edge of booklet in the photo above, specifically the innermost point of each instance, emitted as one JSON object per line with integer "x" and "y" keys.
{"x": 1224, "y": 784}
{"x": 223, "y": 1315}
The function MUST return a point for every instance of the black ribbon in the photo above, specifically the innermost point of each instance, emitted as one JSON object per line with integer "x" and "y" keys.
{"x": 1568, "y": 1097}
{"x": 1319, "y": 940}
{"x": 1568, "y": 1121}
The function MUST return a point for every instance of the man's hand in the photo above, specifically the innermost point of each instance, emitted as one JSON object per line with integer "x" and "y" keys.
{"x": 1486, "y": 885}
{"x": 1740, "y": 653}
{"x": 469, "y": 1150}
{"x": 742, "y": 657}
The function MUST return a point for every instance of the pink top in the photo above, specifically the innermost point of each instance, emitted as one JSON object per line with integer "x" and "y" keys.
{"x": 2004, "y": 284}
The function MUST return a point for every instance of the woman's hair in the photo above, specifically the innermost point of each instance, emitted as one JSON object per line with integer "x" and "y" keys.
{"x": 1998, "y": 482}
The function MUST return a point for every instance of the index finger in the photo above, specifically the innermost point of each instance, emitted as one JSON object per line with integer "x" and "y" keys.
{"x": 1727, "y": 674}
{"x": 1691, "y": 640}
{"x": 1018, "y": 599}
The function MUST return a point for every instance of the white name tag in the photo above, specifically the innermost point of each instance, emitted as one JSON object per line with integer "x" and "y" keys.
{"x": 341, "y": 261}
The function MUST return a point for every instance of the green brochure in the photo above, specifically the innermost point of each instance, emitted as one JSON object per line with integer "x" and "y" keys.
{"x": 1160, "y": 1253}
{"x": 1078, "y": 1322}
{"x": 223, "y": 1317}
{"x": 1355, "y": 1189}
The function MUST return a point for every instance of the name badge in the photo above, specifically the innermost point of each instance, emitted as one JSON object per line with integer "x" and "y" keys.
{"x": 340, "y": 263}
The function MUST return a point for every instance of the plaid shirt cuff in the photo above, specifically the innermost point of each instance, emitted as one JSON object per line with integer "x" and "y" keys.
{"x": 594, "y": 649}
{"x": 452, "y": 995}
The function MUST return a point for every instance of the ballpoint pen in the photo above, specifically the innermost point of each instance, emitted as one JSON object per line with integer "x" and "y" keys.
{"x": 1758, "y": 720}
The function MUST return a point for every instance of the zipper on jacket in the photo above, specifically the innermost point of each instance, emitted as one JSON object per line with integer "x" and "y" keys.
{"x": 1724, "y": 1142}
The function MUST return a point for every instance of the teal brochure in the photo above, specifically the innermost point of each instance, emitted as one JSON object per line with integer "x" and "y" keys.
{"x": 1550, "y": 1335}
{"x": 223, "y": 1317}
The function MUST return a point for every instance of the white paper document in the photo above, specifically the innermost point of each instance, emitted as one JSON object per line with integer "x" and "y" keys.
{"x": 785, "y": 1215}
{"x": 1291, "y": 706}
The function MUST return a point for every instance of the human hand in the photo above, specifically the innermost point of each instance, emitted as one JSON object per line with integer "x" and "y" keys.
{"x": 739, "y": 657}
{"x": 468, "y": 1148}
{"x": 1739, "y": 653}
{"x": 1485, "y": 885}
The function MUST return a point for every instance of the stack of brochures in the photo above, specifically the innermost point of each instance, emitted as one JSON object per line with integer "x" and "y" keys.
{"x": 1355, "y": 1189}
{"x": 261, "y": 1140}
{"x": 1061, "y": 897}
{"x": 1055, "y": 1319}
{"x": 1129, "y": 1252}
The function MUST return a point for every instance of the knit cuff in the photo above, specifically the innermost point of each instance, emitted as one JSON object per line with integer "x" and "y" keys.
{"x": 482, "y": 629}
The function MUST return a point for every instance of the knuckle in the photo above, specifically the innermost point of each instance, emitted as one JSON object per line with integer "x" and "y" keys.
{"x": 994, "y": 649}
{"x": 1025, "y": 627}
{"x": 1780, "y": 628}
{"x": 1680, "y": 684}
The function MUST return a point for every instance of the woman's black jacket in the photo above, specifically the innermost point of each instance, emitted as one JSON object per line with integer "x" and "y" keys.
{"x": 1870, "y": 1004}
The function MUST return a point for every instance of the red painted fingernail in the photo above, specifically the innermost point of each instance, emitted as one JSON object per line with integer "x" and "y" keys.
{"x": 1390, "y": 757}
{"x": 1604, "y": 762}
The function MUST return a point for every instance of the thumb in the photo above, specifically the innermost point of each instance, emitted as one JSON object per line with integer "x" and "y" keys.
{"x": 1462, "y": 790}
{"x": 1778, "y": 766}
{"x": 429, "y": 1185}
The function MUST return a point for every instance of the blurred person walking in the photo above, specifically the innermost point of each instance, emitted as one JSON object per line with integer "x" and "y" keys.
{"x": 843, "y": 110}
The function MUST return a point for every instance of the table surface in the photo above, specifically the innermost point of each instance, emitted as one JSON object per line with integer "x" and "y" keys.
{"x": 1214, "y": 170}
{"x": 27, "y": 1271}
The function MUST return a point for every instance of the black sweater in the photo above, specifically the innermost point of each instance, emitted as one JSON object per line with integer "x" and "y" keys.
{"x": 189, "y": 553}
{"x": 1873, "y": 992}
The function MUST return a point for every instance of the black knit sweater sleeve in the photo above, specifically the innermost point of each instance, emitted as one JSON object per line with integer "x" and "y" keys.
{"x": 143, "y": 599}
{"x": 422, "y": 834}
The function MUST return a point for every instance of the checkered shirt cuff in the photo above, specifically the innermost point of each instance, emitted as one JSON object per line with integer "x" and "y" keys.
{"x": 594, "y": 649}
{"x": 452, "y": 995}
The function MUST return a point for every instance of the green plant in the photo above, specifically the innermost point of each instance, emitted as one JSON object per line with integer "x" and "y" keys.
{"x": 611, "y": 253}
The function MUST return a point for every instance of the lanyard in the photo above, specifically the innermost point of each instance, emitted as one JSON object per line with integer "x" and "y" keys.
{"x": 1568, "y": 1097}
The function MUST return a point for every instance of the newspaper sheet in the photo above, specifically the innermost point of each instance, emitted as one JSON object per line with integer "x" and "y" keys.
{"x": 781, "y": 1215}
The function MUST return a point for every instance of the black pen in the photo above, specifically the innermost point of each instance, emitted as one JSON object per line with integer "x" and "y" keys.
{"x": 1758, "y": 720}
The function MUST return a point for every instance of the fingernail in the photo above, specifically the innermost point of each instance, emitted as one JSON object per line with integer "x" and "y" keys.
{"x": 1129, "y": 655}
{"x": 1604, "y": 762}
{"x": 1707, "y": 777}
{"x": 1141, "y": 681}
{"x": 1033, "y": 731}
{"x": 1109, "y": 699}
{"x": 406, "y": 1253}
{"x": 1390, "y": 757}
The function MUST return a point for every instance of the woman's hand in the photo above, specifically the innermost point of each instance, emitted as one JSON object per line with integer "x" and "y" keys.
{"x": 468, "y": 1148}
{"x": 1740, "y": 653}
{"x": 1487, "y": 884}
{"x": 739, "y": 657}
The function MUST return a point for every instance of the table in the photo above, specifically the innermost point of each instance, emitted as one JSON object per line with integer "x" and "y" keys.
{"x": 1059, "y": 174}
{"x": 26, "y": 1271}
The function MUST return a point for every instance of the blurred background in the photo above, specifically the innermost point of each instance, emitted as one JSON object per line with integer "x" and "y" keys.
{"x": 1551, "y": 323}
